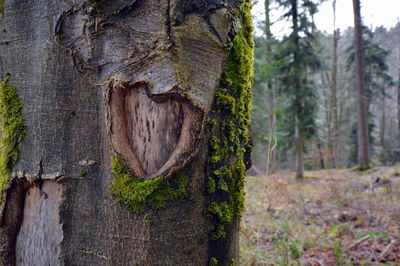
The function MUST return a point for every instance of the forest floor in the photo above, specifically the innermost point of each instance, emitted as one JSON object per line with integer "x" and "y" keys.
{"x": 332, "y": 217}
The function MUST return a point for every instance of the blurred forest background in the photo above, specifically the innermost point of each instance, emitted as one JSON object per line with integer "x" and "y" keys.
{"x": 330, "y": 103}
{"x": 324, "y": 188}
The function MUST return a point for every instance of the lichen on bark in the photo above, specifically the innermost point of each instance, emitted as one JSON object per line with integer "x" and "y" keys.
{"x": 139, "y": 193}
{"x": 231, "y": 122}
{"x": 12, "y": 131}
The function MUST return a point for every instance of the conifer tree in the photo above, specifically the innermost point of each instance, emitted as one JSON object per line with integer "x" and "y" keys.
{"x": 297, "y": 59}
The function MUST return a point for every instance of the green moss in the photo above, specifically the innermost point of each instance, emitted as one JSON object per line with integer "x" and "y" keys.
{"x": 2, "y": 2}
{"x": 139, "y": 193}
{"x": 211, "y": 185}
{"x": 222, "y": 185}
{"x": 212, "y": 123}
{"x": 213, "y": 262}
{"x": 219, "y": 232}
{"x": 96, "y": 3}
{"x": 362, "y": 168}
{"x": 231, "y": 109}
{"x": 82, "y": 174}
{"x": 12, "y": 130}
{"x": 233, "y": 262}
{"x": 311, "y": 177}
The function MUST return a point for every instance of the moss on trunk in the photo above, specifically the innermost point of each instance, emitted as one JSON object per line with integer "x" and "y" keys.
{"x": 230, "y": 124}
{"x": 139, "y": 193}
{"x": 2, "y": 8}
{"x": 12, "y": 131}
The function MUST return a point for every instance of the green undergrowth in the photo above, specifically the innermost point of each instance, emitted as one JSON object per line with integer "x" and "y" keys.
{"x": 139, "y": 193}
{"x": 12, "y": 130}
{"x": 231, "y": 122}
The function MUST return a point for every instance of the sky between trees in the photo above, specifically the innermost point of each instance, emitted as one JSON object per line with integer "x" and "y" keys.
{"x": 375, "y": 13}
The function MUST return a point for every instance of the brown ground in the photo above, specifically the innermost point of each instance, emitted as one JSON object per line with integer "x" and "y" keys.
{"x": 333, "y": 217}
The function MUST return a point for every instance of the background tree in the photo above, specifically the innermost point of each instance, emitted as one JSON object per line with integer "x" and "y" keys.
{"x": 334, "y": 106}
{"x": 269, "y": 80}
{"x": 297, "y": 58}
{"x": 363, "y": 150}
{"x": 140, "y": 98}
{"x": 377, "y": 78}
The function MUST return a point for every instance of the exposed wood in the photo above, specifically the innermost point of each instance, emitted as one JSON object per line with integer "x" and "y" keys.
{"x": 153, "y": 128}
{"x": 154, "y": 136}
{"x": 40, "y": 235}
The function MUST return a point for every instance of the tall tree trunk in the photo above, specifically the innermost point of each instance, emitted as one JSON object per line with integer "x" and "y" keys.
{"x": 334, "y": 107}
{"x": 383, "y": 122}
{"x": 298, "y": 131}
{"x": 149, "y": 83}
{"x": 363, "y": 150}
{"x": 398, "y": 90}
{"x": 270, "y": 100}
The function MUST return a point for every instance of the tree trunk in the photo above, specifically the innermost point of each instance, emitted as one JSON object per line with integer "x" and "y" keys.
{"x": 383, "y": 119}
{"x": 398, "y": 90}
{"x": 334, "y": 108}
{"x": 363, "y": 152}
{"x": 299, "y": 151}
{"x": 149, "y": 84}
{"x": 270, "y": 100}
{"x": 298, "y": 131}
{"x": 320, "y": 153}
{"x": 383, "y": 123}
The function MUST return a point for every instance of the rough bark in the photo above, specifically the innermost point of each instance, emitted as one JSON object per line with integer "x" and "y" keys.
{"x": 363, "y": 150}
{"x": 132, "y": 79}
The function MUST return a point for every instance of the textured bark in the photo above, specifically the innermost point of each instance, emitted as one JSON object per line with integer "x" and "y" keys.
{"x": 67, "y": 58}
{"x": 363, "y": 150}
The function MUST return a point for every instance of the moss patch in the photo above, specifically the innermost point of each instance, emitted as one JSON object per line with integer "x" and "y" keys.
{"x": 139, "y": 193}
{"x": 213, "y": 262}
{"x": 362, "y": 168}
{"x": 1, "y": 8}
{"x": 12, "y": 130}
{"x": 95, "y": 3}
{"x": 231, "y": 118}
